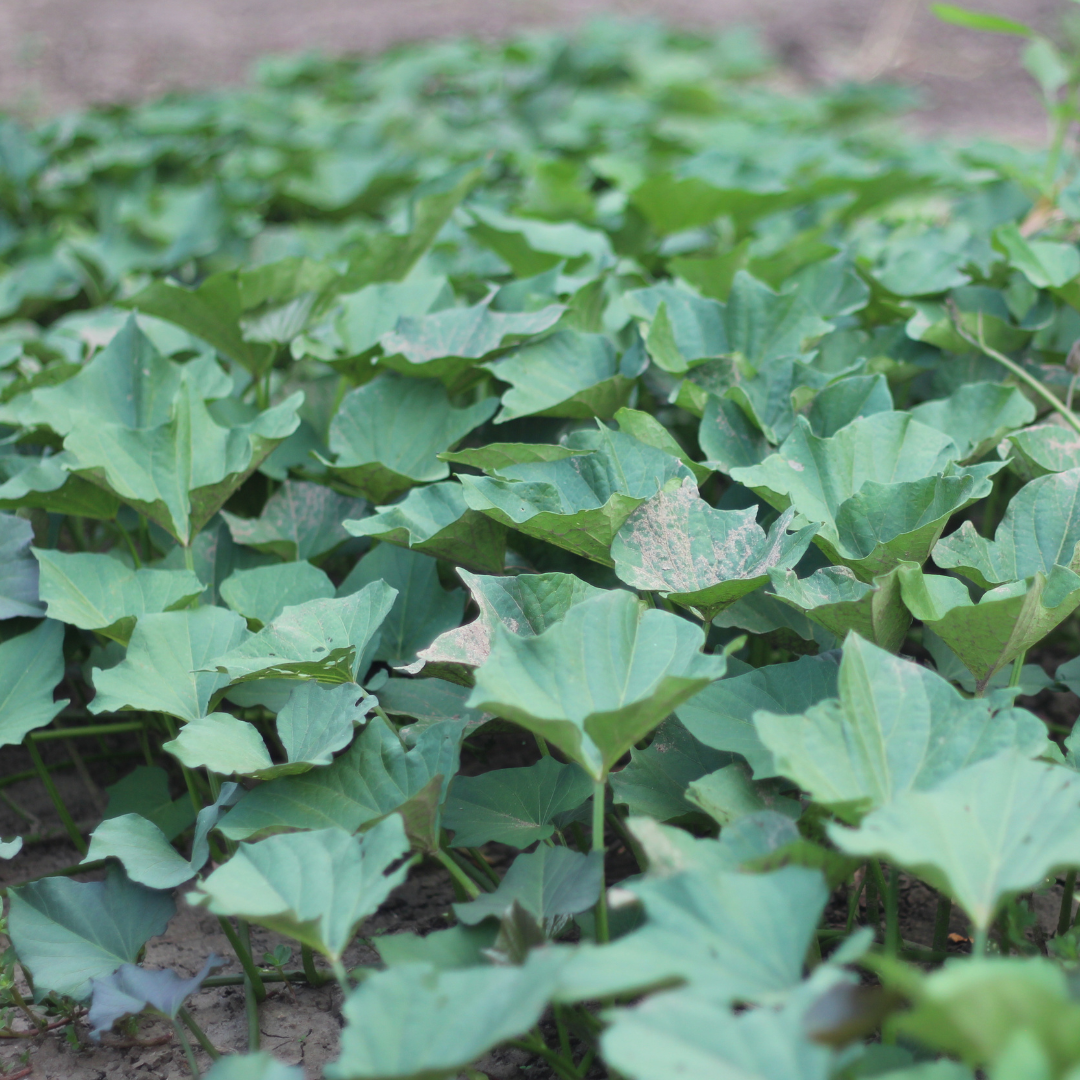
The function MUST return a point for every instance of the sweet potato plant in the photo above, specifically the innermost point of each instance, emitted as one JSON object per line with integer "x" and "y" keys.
{"x": 718, "y": 440}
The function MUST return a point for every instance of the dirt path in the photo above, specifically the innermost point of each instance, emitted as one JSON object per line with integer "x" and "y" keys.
{"x": 59, "y": 54}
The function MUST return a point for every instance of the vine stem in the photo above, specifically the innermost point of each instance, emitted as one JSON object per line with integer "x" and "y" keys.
{"x": 54, "y": 794}
{"x": 199, "y": 1034}
{"x": 1017, "y": 668}
{"x": 1029, "y": 381}
{"x": 244, "y": 956}
{"x": 459, "y": 875}
{"x": 311, "y": 973}
{"x": 599, "y": 791}
{"x": 181, "y": 1038}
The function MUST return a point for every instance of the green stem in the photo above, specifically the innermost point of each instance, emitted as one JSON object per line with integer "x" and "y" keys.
{"x": 1065, "y": 915}
{"x": 67, "y": 871}
{"x": 311, "y": 972}
{"x": 181, "y": 1038}
{"x": 941, "y": 924}
{"x": 892, "y": 920}
{"x": 459, "y": 875}
{"x": 341, "y": 975}
{"x": 872, "y": 898}
{"x": 251, "y": 1007}
{"x": 981, "y": 942}
{"x": 484, "y": 867}
{"x": 199, "y": 1034}
{"x": 542, "y": 745}
{"x": 1029, "y": 381}
{"x": 189, "y": 558}
{"x": 189, "y": 779}
{"x": 54, "y": 794}
{"x": 244, "y": 956}
{"x": 853, "y": 905}
{"x": 91, "y": 730}
{"x": 628, "y": 838}
{"x": 130, "y": 543}
{"x": 267, "y": 977}
{"x": 1017, "y": 668}
{"x": 599, "y": 791}
{"x": 536, "y": 1045}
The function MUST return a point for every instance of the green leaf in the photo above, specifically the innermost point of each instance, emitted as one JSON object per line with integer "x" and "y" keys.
{"x": 567, "y": 374}
{"x": 376, "y": 776}
{"x": 1045, "y": 263}
{"x": 513, "y": 806}
{"x": 259, "y": 1066}
{"x": 145, "y": 791}
{"x": 576, "y": 502}
{"x": 69, "y": 932}
{"x": 526, "y": 605}
{"x": 446, "y": 344}
{"x": 428, "y": 701}
{"x": 978, "y": 20}
{"x": 448, "y": 950}
{"x": 435, "y": 520}
{"x": 728, "y": 438}
{"x": 18, "y": 570}
{"x": 896, "y": 727}
{"x": 31, "y": 665}
{"x": 422, "y": 608}
{"x": 316, "y": 887}
{"x": 1005, "y": 623}
{"x": 646, "y": 428}
{"x": 722, "y": 714}
{"x": 597, "y": 681}
{"x": 164, "y": 670}
{"x": 733, "y": 937}
{"x": 531, "y": 246}
{"x": 835, "y": 598}
{"x": 1041, "y": 449}
{"x": 316, "y": 720}
{"x": 704, "y": 559}
{"x": 320, "y": 639}
{"x": 387, "y": 433}
{"x": 98, "y": 592}
{"x": 729, "y": 795}
{"x": 1040, "y": 530}
{"x": 131, "y": 989}
{"x": 211, "y": 312}
{"x": 979, "y": 1009}
{"x": 841, "y": 402}
{"x": 987, "y": 832}
{"x": 390, "y": 1018}
{"x": 144, "y": 850}
{"x": 180, "y": 472}
{"x": 655, "y": 780}
{"x": 883, "y": 488}
{"x": 551, "y": 884}
{"x": 44, "y": 483}
{"x": 127, "y": 383}
{"x": 977, "y": 416}
{"x": 300, "y": 520}
{"x": 262, "y": 594}
{"x": 683, "y": 1035}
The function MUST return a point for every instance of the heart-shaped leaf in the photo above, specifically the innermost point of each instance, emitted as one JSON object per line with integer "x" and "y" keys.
{"x": 513, "y": 806}
{"x": 895, "y": 727}
{"x": 1041, "y": 449}
{"x": 387, "y": 433}
{"x": 98, "y": 592}
{"x": 435, "y": 520}
{"x": 526, "y": 605}
{"x": 699, "y": 557}
{"x": 31, "y": 665}
{"x": 977, "y": 416}
{"x": 165, "y": 669}
{"x": 316, "y": 887}
{"x": 264, "y": 592}
{"x": 993, "y": 829}
{"x": 592, "y": 704}
{"x": 836, "y": 599}
{"x": 18, "y": 570}
{"x": 320, "y": 639}
{"x": 300, "y": 520}
{"x": 69, "y": 932}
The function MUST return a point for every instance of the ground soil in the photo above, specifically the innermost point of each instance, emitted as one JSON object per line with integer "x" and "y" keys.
{"x": 62, "y": 54}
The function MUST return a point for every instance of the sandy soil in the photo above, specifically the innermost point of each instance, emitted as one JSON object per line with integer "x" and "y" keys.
{"x": 59, "y": 54}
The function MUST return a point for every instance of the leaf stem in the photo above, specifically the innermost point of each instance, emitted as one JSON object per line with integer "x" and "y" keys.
{"x": 1017, "y": 668}
{"x": 1029, "y": 381}
{"x": 341, "y": 975}
{"x": 482, "y": 864}
{"x": 199, "y": 1034}
{"x": 459, "y": 875}
{"x": 61, "y": 808}
{"x": 599, "y": 792}
{"x": 541, "y": 745}
{"x": 244, "y": 956}
{"x": 980, "y": 942}
{"x": 1065, "y": 915}
{"x": 181, "y": 1038}
{"x": 311, "y": 972}
{"x": 189, "y": 558}
{"x": 892, "y": 914}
